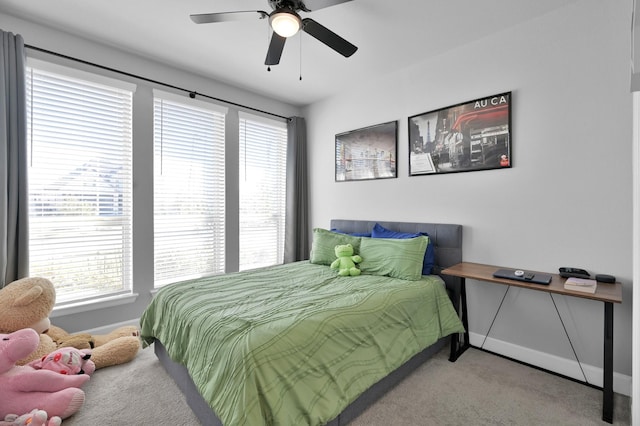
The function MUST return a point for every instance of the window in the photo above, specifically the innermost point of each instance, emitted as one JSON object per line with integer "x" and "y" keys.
{"x": 80, "y": 185}
{"x": 262, "y": 182}
{"x": 189, "y": 189}
{"x": 80, "y": 138}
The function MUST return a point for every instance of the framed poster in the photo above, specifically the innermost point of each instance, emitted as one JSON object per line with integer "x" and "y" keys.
{"x": 470, "y": 136}
{"x": 367, "y": 153}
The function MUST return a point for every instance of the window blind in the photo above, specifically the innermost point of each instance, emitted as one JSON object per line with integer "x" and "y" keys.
{"x": 189, "y": 191}
{"x": 262, "y": 183}
{"x": 80, "y": 185}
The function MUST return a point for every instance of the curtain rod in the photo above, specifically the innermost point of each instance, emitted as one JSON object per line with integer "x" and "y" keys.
{"x": 192, "y": 93}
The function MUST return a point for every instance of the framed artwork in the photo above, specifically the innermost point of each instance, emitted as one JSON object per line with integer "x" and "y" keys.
{"x": 367, "y": 153}
{"x": 470, "y": 136}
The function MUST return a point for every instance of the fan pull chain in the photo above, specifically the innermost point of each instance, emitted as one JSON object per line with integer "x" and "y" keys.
{"x": 300, "y": 35}
{"x": 268, "y": 40}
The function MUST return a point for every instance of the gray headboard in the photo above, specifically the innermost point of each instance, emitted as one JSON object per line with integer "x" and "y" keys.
{"x": 447, "y": 240}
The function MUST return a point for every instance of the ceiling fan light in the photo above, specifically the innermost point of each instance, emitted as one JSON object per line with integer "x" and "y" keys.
{"x": 285, "y": 23}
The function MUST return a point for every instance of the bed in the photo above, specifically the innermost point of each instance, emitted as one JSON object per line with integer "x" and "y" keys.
{"x": 309, "y": 347}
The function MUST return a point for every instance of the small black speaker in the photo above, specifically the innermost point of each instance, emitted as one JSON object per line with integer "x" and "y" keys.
{"x": 602, "y": 278}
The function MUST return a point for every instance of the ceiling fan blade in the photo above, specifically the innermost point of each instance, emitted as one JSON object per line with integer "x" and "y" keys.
{"x": 276, "y": 46}
{"x": 310, "y": 5}
{"x": 207, "y": 18}
{"x": 328, "y": 37}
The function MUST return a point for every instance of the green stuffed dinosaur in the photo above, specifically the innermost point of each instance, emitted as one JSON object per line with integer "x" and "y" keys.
{"x": 346, "y": 261}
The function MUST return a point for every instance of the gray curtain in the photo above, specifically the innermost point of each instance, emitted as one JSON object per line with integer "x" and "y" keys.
{"x": 296, "y": 240}
{"x": 14, "y": 204}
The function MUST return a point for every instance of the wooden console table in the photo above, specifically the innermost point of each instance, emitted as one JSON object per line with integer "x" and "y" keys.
{"x": 606, "y": 293}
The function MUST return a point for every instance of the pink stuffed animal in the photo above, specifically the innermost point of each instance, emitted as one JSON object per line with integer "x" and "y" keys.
{"x": 66, "y": 361}
{"x": 34, "y": 418}
{"x": 25, "y": 388}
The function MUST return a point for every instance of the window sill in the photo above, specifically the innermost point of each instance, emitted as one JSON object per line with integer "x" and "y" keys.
{"x": 92, "y": 305}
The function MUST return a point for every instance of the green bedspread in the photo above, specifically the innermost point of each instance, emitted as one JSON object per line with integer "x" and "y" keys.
{"x": 294, "y": 344}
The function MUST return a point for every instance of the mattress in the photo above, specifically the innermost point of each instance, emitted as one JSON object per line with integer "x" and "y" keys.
{"x": 294, "y": 344}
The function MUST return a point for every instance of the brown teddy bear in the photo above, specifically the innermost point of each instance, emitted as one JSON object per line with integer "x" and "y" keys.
{"x": 27, "y": 303}
{"x": 117, "y": 347}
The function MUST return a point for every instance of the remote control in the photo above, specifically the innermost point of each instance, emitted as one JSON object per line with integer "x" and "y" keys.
{"x": 566, "y": 272}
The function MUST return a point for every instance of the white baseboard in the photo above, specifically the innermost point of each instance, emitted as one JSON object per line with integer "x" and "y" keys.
{"x": 564, "y": 366}
{"x": 109, "y": 328}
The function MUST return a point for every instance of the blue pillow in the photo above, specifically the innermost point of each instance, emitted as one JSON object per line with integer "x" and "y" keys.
{"x": 380, "y": 231}
{"x": 353, "y": 234}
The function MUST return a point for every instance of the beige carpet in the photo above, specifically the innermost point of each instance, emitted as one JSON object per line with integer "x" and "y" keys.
{"x": 478, "y": 389}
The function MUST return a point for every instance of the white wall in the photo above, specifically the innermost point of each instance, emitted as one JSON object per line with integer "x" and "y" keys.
{"x": 635, "y": 390}
{"x": 567, "y": 200}
{"x": 635, "y": 86}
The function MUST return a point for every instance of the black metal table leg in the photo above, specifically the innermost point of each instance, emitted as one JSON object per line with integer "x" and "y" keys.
{"x": 460, "y": 305}
{"x": 607, "y": 375}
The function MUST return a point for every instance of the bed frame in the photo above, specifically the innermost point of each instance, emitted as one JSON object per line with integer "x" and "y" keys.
{"x": 447, "y": 240}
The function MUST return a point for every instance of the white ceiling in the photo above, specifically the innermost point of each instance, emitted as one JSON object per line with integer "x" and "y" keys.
{"x": 389, "y": 34}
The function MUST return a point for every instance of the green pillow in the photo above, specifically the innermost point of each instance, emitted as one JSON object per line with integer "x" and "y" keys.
{"x": 324, "y": 245}
{"x": 398, "y": 258}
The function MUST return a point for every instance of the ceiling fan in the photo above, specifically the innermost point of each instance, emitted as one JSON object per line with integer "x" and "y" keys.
{"x": 286, "y": 22}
